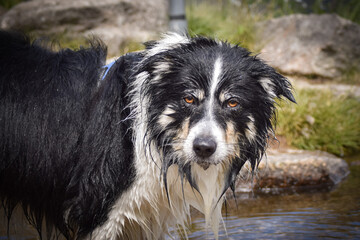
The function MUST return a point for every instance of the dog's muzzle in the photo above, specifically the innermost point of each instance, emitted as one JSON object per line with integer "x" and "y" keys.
{"x": 204, "y": 147}
{"x": 205, "y": 144}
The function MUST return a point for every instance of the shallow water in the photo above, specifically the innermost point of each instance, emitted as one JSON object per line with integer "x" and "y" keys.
{"x": 303, "y": 216}
{"x": 314, "y": 214}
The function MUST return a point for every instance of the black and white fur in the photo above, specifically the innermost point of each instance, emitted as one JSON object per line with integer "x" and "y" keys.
{"x": 125, "y": 157}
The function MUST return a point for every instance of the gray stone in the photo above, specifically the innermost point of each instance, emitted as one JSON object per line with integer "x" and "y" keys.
{"x": 337, "y": 89}
{"x": 114, "y": 21}
{"x": 294, "y": 169}
{"x": 318, "y": 45}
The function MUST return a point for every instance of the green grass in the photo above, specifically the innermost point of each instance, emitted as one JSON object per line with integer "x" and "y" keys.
{"x": 351, "y": 76}
{"x": 321, "y": 121}
{"x": 65, "y": 41}
{"x": 349, "y": 9}
{"x": 9, "y": 3}
{"x": 233, "y": 24}
{"x": 130, "y": 45}
{"x": 60, "y": 41}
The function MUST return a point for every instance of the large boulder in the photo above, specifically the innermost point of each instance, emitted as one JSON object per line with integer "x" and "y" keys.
{"x": 114, "y": 21}
{"x": 294, "y": 169}
{"x": 317, "y": 45}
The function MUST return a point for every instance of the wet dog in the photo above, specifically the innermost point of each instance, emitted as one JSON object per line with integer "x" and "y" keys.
{"x": 123, "y": 151}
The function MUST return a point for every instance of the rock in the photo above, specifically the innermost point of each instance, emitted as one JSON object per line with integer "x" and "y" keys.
{"x": 317, "y": 45}
{"x": 114, "y": 21}
{"x": 338, "y": 89}
{"x": 294, "y": 169}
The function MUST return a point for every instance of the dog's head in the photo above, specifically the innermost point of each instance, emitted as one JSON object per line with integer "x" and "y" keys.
{"x": 208, "y": 103}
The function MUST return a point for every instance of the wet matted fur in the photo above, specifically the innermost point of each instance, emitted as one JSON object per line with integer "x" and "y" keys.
{"x": 125, "y": 155}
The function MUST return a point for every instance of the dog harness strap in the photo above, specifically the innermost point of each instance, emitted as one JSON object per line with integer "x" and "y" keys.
{"x": 106, "y": 69}
{"x": 130, "y": 58}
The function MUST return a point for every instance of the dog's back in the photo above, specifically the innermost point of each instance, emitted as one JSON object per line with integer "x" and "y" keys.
{"x": 43, "y": 93}
{"x": 51, "y": 110}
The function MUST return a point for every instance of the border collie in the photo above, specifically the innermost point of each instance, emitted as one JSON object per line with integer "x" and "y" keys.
{"x": 123, "y": 151}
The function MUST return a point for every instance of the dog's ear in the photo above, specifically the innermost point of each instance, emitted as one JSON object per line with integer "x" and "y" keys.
{"x": 277, "y": 86}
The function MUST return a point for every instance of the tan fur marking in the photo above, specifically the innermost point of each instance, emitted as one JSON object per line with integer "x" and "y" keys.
{"x": 181, "y": 136}
{"x": 232, "y": 138}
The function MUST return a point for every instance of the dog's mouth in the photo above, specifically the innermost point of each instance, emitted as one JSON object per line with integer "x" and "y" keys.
{"x": 203, "y": 163}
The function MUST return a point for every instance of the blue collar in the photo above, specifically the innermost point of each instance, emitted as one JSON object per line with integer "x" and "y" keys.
{"x": 106, "y": 69}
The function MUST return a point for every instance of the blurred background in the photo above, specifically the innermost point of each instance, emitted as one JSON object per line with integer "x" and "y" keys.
{"x": 307, "y": 187}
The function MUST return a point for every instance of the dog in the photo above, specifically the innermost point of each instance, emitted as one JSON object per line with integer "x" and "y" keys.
{"x": 122, "y": 151}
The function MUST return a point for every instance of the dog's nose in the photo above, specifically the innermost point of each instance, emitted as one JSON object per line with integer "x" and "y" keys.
{"x": 204, "y": 147}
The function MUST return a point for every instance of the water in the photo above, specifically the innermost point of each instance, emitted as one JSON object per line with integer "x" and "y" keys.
{"x": 315, "y": 214}
{"x": 303, "y": 216}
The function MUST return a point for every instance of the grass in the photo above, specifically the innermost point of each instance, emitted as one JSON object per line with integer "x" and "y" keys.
{"x": 351, "y": 76}
{"x": 349, "y": 9}
{"x": 321, "y": 121}
{"x": 7, "y": 4}
{"x": 233, "y": 24}
{"x": 130, "y": 45}
{"x": 65, "y": 41}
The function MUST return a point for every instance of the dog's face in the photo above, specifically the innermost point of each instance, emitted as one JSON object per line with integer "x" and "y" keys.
{"x": 208, "y": 104}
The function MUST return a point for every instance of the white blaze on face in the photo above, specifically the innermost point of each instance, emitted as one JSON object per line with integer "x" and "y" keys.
{"x": 208, "y": 127}
{"x": 216, "y": 77}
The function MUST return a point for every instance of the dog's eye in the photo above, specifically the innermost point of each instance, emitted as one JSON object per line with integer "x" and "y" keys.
{"x": 189, "y": 99}
{"x": 231, "y": 103}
